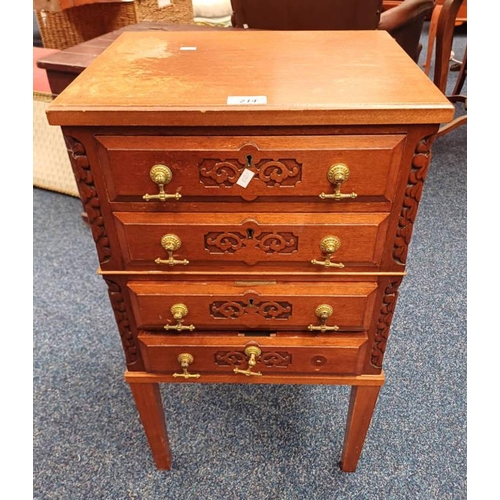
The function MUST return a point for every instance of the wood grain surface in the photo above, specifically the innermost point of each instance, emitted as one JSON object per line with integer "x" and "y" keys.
{"x": 336, "y": 77}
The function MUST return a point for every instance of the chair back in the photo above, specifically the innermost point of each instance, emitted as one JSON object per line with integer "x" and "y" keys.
{"x": 405, "y": 21}
{"x": 306, "y": 14}
{"x": 445, "y": 27}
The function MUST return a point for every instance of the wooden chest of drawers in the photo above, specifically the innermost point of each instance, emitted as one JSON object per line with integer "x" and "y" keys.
{"x": 252, "y": 197}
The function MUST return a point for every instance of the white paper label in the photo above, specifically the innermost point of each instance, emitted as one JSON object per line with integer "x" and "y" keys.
{"x": 246, "y": 99}
{"x": 188, "y": 48}
{"x": 245, "y": 178}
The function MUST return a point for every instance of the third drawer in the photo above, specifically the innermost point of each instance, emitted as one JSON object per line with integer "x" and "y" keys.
{"x": 303, "y": 307}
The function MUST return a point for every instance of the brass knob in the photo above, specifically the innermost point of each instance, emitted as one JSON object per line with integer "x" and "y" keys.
{"x": 185, "y": 359}
{"x": 323, "y": 312}
{"x": 252, "y": 352}
{"x": 171, "y": 243}
{"x": 328, "y": 245}
{"x": 338, "y": 174}
{"x": 161, "y": 175}
{"x": 179, "y": 312}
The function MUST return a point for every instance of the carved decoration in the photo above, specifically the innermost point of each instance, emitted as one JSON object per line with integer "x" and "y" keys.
{"x": 413, "y": 193}
{"x": 269, "y": 310}
{"x": 384, "y": 322}
{"x": 224, "y": 242}
{"x": 230, "y": 358}
{"x": 279, "y": 173}
{"x": 88, "y": 195}
{"x": 121, "y": 315}
{"x": 270, "y": 242}
{"x": 270, "y": 359}
{"x": 276, "y": 359}
{"x": 273, "y": 173}
{"x": 227, "y": 310}
{"x": 215, "y": 173}
{"x": 277, "y": 242}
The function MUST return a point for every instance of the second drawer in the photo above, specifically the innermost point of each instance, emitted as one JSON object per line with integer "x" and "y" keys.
{"x": 185, "y": 242}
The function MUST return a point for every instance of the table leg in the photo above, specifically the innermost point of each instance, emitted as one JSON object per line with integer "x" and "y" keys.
{"x": 361, "y": 406}
{"x": 148, "y": 402}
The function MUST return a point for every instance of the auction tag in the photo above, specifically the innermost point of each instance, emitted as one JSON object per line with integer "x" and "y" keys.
{"x": 246, "y": 99}
{"x": 245, "y": 178}
{"x": 187, "y": 48}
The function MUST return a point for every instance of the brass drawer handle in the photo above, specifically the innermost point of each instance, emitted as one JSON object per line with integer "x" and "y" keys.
{"x": 251, "y": 352}
{"x": 185, "y": 359}
{"x": 161, "y": 175}
{"x": 337, "y": 175}
{"x": 171, "y": 243}
{"x": 323, "y": 312}
{"x": 179, "y": 311}
{"x": 328, "y": 245}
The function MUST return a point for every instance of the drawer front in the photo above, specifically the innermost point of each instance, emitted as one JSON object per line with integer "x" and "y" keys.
{"x": 284, "y": 168}
{"x": 297, "y": 242}
{"x": 200, "y": 355}
{"x": 212, "y": 306}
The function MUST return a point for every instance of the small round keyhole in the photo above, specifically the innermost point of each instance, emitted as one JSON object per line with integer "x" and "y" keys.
{"x": 249, "y": 160}
{"x": 250, "y": 233}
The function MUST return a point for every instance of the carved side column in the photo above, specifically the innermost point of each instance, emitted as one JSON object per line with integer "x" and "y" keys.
{"x": 413, "y": 194}
{"x": 88, "y": 196}
{"x": 129, "y": 341}
{"x": 384, "y": 321}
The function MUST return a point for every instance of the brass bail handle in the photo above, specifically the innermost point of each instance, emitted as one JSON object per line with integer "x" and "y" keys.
{"x": 161, "y": 175}
{"x": 185, "y": 359}
{"x": 328, "y": 245}
{"x": 251, "y": 352}
{"x": 171, "y": 243}
{"x": 323, "y": 312}
{"x": 337, "y": 175}
{"x": 179, "y": 312}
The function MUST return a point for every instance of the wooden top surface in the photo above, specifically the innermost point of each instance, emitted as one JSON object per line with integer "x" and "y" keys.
{"x": 307, "y": 77}
{"x": 77, "y": 58}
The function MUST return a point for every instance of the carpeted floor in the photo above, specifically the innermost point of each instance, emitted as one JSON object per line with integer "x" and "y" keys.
{"x": 253, "y": 442}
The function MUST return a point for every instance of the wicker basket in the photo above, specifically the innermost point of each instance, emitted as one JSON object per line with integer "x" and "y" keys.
{"x": 69, "y": 27}
{"x": 51, "y": 166}
{"x": 178, "y": 12}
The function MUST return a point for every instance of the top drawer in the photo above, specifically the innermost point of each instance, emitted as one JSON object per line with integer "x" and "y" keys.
{"x": 327, "y": 169}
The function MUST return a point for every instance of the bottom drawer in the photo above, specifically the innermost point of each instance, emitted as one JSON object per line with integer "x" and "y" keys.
{"x": 191, "y": 356}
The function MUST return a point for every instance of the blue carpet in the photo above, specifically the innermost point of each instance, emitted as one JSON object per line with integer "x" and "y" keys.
{"x": 253, "y": 442}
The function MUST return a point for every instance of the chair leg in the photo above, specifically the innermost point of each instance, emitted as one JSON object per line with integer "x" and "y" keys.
{"x": 431, "y": 41}
{"x": 462, "y": 75}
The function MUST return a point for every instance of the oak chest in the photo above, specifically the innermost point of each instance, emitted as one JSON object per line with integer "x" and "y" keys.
{"x": 252, "y": 197}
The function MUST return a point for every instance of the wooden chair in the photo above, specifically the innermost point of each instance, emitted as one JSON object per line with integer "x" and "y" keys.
{"x": 440, "y": 43}
{"x": 404, "y": 21}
